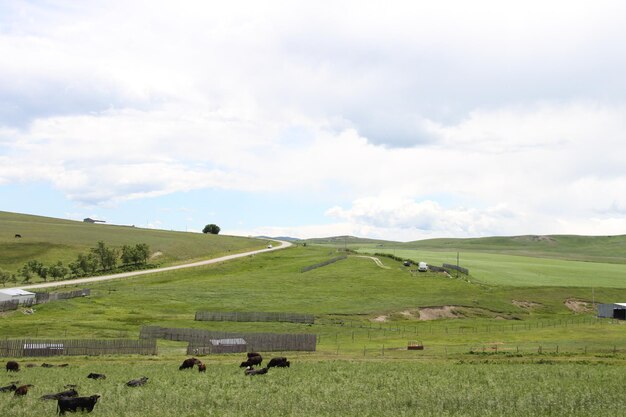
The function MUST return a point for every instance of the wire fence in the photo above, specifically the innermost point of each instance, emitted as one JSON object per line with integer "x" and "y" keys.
{"x": 87, "y": 347}
{"x": 254, "y": 317}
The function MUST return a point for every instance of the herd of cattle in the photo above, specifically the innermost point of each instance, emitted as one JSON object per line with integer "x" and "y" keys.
{"x": 69, "y": 400}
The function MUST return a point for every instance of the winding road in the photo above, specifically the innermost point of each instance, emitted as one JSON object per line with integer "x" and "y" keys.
{"x": 283, "y": 245}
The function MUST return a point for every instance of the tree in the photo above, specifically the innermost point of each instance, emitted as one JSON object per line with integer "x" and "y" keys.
{"x": 211, "y": 228}
{"x": 107, "y": 257}
{"x": 58, "y": 271}
{"x": 5, "y": 276}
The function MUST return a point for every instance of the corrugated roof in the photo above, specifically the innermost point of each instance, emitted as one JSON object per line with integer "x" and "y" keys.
{"x": 229, "y": 342}
{"x": 16, "y": 291}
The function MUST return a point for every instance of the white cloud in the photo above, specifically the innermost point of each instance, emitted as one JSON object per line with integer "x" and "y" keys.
{"x": 425, "y": 119}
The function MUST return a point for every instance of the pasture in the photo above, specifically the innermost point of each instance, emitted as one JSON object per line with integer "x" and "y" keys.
{"x": 510, "y": 342}
{"x": 50, "y": 240}
{"x": 331, "y": 388}
{"x": 522, "y": 271}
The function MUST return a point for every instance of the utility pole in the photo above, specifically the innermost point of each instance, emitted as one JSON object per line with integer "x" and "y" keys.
{"x": 457, "y": 264}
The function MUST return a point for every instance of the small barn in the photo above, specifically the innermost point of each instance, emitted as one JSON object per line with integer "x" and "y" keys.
{"x": 612, "y": 311}
{"x": 12, "y": 294}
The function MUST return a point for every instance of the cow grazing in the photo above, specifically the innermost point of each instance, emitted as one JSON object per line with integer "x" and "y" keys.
{"x": 137, "y": 382}
{"x": 201, "y": 367}
{"x": 279, "y": 362}
{"x": 17, "y": 235}
{"x": 13, "y": 366}
{"x": 23, "y": 390}
{"x": 96, "y": 376}
{"x": 251, "y": 371}
{"x": 252, "y": 361}
{"x": 9, "y": 388}
{"x": 70, "y": 393}
{"x": 79, "y": 403}
{"x": 189, "y": 363}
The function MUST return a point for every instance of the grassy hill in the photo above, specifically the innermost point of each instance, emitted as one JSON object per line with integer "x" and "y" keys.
{"x": 49, "y": 240}
{"x": 608, "y": 249}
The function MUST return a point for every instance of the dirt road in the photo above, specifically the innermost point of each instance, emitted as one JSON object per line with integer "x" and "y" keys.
{"x": 283, "y": 245}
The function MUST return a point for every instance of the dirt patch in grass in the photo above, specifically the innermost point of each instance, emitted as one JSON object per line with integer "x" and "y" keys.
{"x": 526, "y": 305}
{"x": 443, "y": 312}
{"x": 578, "y": 306}
{"x": 156, "y": 254}
{"x": 380, "y": 319}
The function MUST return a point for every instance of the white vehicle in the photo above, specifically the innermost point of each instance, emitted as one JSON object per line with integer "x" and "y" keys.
{"x": 422, "y": 267}
{"x": 269, "y": 246}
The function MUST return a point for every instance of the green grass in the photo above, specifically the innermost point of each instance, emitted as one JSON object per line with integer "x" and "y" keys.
{"x": 603, "y": 249}
{"x": 353, "y": 291}
{"x": 50, "y": 240}
{"x": 518, "y": 270}
{"x": 497, "y": 359}
{"x": 332, "y": 388}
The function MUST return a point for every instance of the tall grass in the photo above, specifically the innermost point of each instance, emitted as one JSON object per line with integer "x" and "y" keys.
{"x": 333, "y": 388}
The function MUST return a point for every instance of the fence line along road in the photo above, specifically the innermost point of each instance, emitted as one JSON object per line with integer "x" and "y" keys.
{"x": 283, "y": 245}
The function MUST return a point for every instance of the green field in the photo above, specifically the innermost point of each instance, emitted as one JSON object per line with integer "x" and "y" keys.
{"x": 512, "y": 345}
{"x": 50, "y": 240}
{"x": 332, "y": 388}
{"x": 518, "y": 270}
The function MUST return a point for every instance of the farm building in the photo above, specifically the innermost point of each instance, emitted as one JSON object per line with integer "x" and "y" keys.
{"x": 612, "y": 311}
{"x": 12, "y": 294}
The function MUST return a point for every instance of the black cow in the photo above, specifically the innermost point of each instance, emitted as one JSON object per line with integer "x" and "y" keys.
{"x": 252, "y": 361}
{"x": 17, "y": 235}
{"x": 201, "y": 367}
{"x": 9, "y": 388}
{"x": 251, "y": 354}
{"x": 189, "y": 363}
{"x": 74, "y": 404}
{"x": 279, "y": 362}
{"x": 13, "y": 366}
{"x": 23, "y": 390}
{"x": 70, "y": 393}
{"x": 96, "y": 376}
{"x": 137, "y": 382}
{"x": 251, "y": 371}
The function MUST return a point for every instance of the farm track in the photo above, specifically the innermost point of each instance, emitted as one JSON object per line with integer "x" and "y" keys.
{"x": 376, "y": 261}
{"x": 283, "y": 245}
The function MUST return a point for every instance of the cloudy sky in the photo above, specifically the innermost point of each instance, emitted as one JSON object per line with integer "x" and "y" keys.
{"x": 384, "y": 119}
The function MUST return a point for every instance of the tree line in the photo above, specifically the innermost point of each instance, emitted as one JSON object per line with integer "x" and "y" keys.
{"x": 99, "y": 259}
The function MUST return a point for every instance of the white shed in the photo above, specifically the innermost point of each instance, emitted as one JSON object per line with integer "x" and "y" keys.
{"x": 21, "y": 296}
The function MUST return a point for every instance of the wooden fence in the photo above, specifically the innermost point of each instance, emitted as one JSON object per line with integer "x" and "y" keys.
{"x": 46, "y": 297}
{"x": 254, "y": 316}
{"x": 206, "y": 341}
{"x": 321, "y": 264}
{"x": 41, "y": 298}
{"x": 9, "y": 305}
{"x": 88, "y": 347}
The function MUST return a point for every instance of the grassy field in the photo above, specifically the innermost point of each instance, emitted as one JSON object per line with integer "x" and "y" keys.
{"x": 514, "y": 347}
{"x": 518, "y": 270}
{"x": 50, "y": 240}
{"x": 333, "y": 388}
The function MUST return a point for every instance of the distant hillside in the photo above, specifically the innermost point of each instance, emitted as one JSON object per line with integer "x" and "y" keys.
{"x": 345, "y": 240}
{"x": 610, "y": 249}
{"x": 573, "y": 247}
{"x": 49, "y": 240}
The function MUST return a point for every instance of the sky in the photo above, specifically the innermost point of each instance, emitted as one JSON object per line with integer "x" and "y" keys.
{"x": 397, "y": 120}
